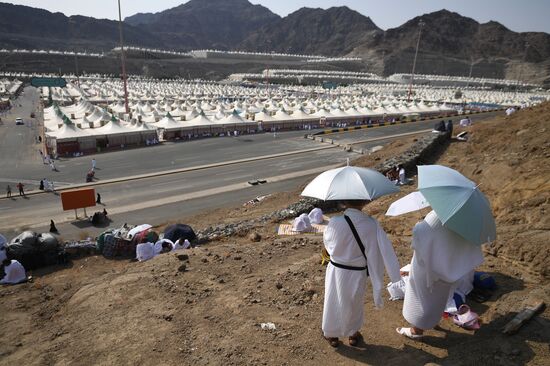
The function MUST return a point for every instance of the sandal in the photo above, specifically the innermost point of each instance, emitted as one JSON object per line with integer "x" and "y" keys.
{"x": 332, "y": 341}
{"x": 407, "y": 332}
{"x": 354, "y": 339}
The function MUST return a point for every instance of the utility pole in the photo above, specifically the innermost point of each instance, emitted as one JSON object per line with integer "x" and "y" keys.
{"x": 471, "y": 69}
{"x": 420, "y": 26}
{"x": 76, "y": 68}
{"x": 522, "y": 66}
{"x": 123, "y": 60}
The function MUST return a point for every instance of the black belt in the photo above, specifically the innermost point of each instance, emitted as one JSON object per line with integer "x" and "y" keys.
{"x": 351, "y": 268}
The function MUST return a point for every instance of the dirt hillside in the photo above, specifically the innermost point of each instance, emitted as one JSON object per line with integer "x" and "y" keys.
{"x": 207, "y": 309}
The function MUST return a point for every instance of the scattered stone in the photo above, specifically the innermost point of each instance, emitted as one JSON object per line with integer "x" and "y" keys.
{"x": 182, "y": 268}
{"x": 279, "y": 285}
{"x": 237, "y": 258}
{"x": 182, "y": 257}
{"x": 255, "y": 237}
{"x": 167, "y": 317}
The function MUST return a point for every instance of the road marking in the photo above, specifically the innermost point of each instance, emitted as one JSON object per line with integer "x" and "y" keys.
{"x": 63, "y": 218}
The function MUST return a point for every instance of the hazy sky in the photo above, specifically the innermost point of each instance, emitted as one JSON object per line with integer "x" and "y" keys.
{"x": 517, "y": 15}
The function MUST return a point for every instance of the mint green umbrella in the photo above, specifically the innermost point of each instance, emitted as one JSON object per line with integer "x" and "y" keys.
{"x": 458, "y": 203}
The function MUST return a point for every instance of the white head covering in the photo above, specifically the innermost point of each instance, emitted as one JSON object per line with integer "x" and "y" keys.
{"x": 158, "y": 245}
{"x": 316, "y": 216}
{"x": 301, "y": 223}
{"x": 186, "y": 244}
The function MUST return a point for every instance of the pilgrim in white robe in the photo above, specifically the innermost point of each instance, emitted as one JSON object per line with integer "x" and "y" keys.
{"x": 15, "y": 273}
{"x": 441, "y": 259}
{"x": 343, "y": 311}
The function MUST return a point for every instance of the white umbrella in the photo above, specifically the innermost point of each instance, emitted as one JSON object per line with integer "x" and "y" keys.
{"x": 349, "y": 183}
{"x": 412, "y": 202}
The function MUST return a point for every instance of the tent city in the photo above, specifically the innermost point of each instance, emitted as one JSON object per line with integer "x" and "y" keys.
{"x": 235, "y": 182}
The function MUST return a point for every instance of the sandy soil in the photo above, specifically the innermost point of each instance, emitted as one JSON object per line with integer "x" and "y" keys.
{"x": 207, "y": 309}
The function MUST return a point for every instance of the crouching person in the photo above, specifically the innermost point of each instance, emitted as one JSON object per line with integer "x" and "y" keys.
{"x": 14, "y": 272}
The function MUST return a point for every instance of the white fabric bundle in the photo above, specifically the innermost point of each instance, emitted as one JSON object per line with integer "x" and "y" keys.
{"x": 15, "y": 273}
{"x": 316, "y": 216}
{"x": 301, "y": 223}
{"x": 397, "y": 289}
{"x": 145, "y": 251}
{"x": 137, "y": 229}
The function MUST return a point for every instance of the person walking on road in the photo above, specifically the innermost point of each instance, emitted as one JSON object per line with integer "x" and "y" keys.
{"x": 8, "y": 192}
{"x": 20, "y": 187}
{"x": 53, "y": 229}
{"x": 98, "y": 200}
{"x": 93, "y": 164}
{"x": 52, "y": 165}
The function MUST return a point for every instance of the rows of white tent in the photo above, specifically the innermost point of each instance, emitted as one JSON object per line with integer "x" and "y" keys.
{"x": 459, "y": 80}
{"x": 110, "y": 90}
{"x": 91, "y": 114}
{"x": 172, "y": 110}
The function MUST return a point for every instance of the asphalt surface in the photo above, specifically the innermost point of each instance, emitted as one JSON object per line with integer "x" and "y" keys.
{"x": 161, "y": 198}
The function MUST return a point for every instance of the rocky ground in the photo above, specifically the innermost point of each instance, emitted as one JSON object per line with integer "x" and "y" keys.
{"x": 206, "y": 305}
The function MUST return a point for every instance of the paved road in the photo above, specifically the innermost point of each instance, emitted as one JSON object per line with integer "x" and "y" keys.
{"x": 162, "y": 198}
{"x": 352, "y": 137}
{"x": 18, "y": 150}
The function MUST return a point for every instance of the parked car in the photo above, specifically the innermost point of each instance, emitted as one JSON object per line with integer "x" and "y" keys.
{"x": 19, "y": 121}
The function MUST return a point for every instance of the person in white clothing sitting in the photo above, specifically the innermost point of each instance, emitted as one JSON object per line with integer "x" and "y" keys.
{"x": 358, "y": 248}
{"x": 14, "y": 272}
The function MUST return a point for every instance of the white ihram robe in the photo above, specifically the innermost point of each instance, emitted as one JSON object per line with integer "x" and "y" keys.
{"x": 441, "y": 259}
{"x": 345, "y": 289}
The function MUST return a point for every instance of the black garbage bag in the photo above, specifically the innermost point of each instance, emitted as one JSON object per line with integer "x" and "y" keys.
{"x": 34, "y": 250}
{"x": 99, "y": 219}
{"x": 180, "y": 231}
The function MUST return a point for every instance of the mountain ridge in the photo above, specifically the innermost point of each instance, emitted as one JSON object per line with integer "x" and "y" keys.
{"x": 450, "y": 43}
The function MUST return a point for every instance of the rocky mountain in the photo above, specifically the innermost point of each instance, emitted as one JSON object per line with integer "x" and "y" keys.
{"x": 26, "y": 27}
{"x": 220, "y": 24}
{"x": 451, "y": 34}
{"x": 335, "y": 31}
{"x": 450, "y": 43}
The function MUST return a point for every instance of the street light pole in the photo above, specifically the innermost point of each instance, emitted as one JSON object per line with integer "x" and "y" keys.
{"x": 420, "y": 25}
{"x": 123, "y": 60}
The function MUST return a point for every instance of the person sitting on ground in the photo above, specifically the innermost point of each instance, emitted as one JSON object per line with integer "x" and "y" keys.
{"x": 358, "y": 248}
{"x": 393, "y": 175}
{"x": 179, "y": 244}
{"x": 440, "y": 260}
{"x": 402, "y": 176}
{"x": 14, "y": 272}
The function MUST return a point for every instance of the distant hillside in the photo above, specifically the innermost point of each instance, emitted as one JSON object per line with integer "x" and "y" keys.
{"x": 335, "y": 31}
{"x": 450, "y": 43}
{"x": 221, "y": 24}
{"x": 26, "y": 27}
